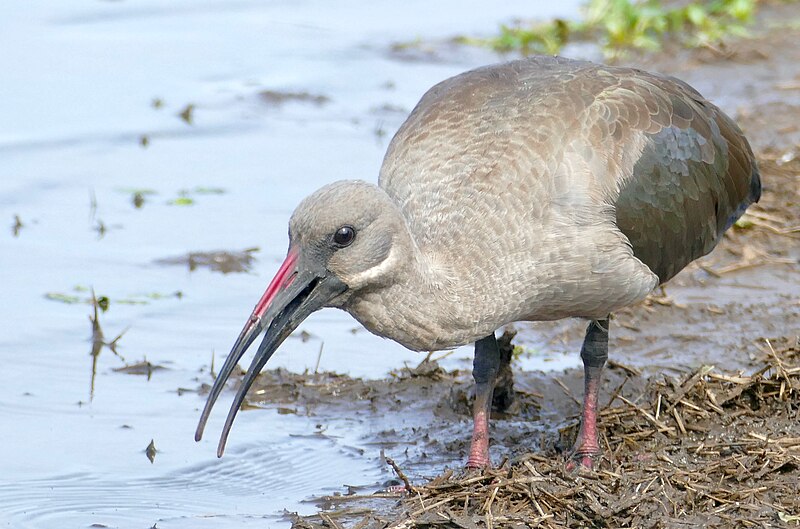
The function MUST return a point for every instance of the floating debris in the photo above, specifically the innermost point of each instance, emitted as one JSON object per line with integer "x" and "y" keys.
{"x": 181, "y": 201}
{"x": 104, "y": 302}
{"x": 138, "y": 200}
{"x": 217, "y": 261}
{"x": 69, "y": 299}
{"x": 185, "y": 197}
{"x": 187, "y": 114}
{"x": 98, "y": 340}
{"x": 276, "y": 97}
{"x": 100, "y": 228}
{"x": 140, "y": 368}
{"x": 138, "y": 195}
{"x": 17, "y": 226}
{"x": 201, "y": 190}
{"x": 389, "y": 109}
{"x": 150, "y": 451}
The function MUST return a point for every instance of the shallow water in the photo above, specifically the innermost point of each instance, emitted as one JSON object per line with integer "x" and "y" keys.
{"x": 86, "y": 83}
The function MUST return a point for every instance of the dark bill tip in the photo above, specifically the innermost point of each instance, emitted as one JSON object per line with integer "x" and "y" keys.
{"x": 248, "y": 335}
{"x": 296, "y": 291}
{"x": 307, "y": 293}
{"x": 250, "y": 332}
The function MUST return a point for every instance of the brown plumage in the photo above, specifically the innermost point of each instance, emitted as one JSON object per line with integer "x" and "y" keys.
{"x": 532, "y": 190}
{"x": 683, "y": 168}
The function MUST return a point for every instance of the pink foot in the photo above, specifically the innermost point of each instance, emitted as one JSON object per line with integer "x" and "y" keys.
{"x": 586, "y": 447}
{"x": 479, "y": 448}
{"x": 579, "y": 461}
{"x": 587, "y": 444}
{"x": 478, "y": 462}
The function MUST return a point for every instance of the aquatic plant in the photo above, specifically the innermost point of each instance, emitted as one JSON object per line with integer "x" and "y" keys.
{"x": 85, "y": 295}
{"x": 624, "y": 25}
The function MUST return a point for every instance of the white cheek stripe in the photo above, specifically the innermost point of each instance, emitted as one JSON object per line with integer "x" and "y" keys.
{"x": 371, "y": 274}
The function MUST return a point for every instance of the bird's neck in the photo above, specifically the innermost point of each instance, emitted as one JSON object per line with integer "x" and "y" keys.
{"x": 421, "y": 308}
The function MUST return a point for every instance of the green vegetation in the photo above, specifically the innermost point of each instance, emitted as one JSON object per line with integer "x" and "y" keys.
{"x": 185, "y": 198}
{"x": 85, "y": 295}
{"x": 17, "y": 226}
{"x": 64, "y": 298}
{"x": 518, "y": 352}
{"x": 182, "y": 200}
{"x": 623, "y": 25}
{"x": 200, "y": 190}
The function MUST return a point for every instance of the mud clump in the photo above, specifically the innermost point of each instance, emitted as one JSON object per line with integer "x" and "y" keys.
{"x": 278, "y": 98}
{"x": 224, "y": 261}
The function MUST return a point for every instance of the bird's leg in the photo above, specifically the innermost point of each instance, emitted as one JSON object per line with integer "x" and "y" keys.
{"x": 594, "y": 354}
{"x": 484, "y": 370}
{"x": 503, "y": 394}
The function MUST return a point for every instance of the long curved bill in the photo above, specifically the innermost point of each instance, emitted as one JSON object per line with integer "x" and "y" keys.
{"x": 296, "y": 291}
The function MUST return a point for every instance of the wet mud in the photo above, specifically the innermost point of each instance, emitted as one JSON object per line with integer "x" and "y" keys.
{"x": 708, "y": 446}
{"x": 707, "y": 449}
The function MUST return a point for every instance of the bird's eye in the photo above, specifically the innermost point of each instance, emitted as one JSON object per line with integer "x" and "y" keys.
{"x": 344, "y": 236}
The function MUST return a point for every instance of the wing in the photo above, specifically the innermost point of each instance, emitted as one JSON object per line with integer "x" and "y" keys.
{"x": 695, "y": 176}
{"x": 587, "y": 143}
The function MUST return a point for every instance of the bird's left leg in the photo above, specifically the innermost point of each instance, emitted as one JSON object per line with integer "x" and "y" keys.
{"x": 485, "y": 368}
{"x": 594, "y": 354}
{"x": 503, "y": 395}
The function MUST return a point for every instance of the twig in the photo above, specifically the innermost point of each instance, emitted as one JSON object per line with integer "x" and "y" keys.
{"x": 566, "y": 390}
{"x": 319, "y": 358}
{"x": 647, "y": 415}
{"x": 330, "y": 521}
{"x": 687, "y": 386}
{"x": 400, "y": 474}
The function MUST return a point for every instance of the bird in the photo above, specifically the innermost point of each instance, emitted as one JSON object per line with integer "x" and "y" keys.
{"x": 538, "y": 189}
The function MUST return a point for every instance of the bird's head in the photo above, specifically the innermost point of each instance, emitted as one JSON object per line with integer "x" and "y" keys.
{"x": 343, "y": 239}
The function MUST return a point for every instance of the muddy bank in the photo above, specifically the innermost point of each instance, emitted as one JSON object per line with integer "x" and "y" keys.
{"x": 422, "y": 414}
{"x": 706, "y": 449}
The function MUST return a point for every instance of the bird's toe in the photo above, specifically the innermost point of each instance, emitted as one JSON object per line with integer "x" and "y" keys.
{"x": 580, "y": 461}
{"x": 392, "y": 486}
{"x": 477, "y": 463}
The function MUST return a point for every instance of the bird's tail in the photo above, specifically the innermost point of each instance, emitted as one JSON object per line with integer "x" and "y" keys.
{"x": 753, "y": 197}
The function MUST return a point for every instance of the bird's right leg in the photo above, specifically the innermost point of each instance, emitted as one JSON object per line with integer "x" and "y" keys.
{"x": 485, "y": 368}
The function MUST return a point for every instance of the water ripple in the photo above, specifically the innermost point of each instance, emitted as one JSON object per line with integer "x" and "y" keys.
{"x": 247, "y": 486}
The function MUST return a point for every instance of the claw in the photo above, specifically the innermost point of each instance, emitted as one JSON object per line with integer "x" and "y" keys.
{"x": 580, "y": 461}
